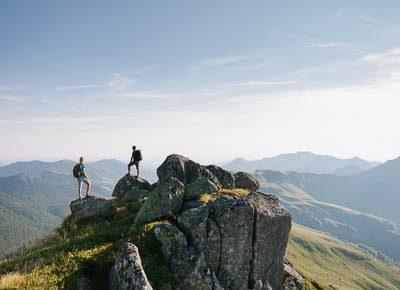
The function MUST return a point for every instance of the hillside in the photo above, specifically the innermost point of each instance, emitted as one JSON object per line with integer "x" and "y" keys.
{"x": 91, "y": 249}
{"x": 22, "y": 224}
{"x": 375, "y": 191}
{"x": 348, "y": 224}
{"x": 302, "y": 162}
{"x": 31, "y": 205}
{"x": 44, "y": 190}
{"x": 198, "y": 227}
{"x": 330, "y": 261}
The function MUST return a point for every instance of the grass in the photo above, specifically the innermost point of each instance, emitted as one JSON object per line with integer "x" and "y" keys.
{"x": 238, "y": 192}
{"x": 325, "y": 260}
{"x": 88, "y": 249}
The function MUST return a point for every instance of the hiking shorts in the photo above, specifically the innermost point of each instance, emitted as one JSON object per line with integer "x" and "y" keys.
{"x": 82, "y": 178}
{"x": 133, "y": 163}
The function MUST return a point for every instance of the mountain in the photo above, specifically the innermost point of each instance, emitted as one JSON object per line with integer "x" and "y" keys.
{"x": 329, "y": 261}
{"x": 22, "y": 224}
{"x": 349, "y": 170}
{"x": 299, "y": 162}
{"x": 376, "y": 191}
{"x": 36, "y": 167}
{"x": 345, "y": 223}
{"x": 193, "y": 230}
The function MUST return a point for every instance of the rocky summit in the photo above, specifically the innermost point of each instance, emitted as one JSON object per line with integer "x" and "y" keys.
{"x": 214, "y": 229}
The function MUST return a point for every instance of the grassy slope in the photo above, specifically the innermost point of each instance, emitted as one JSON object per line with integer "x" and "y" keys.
{"x": 90, "y": 249}
{"x": 330, "y": 261}
{"x": 87, "y": 249}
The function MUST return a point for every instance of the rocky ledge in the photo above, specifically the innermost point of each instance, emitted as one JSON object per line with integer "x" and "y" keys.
{"x": 215, "y": 230}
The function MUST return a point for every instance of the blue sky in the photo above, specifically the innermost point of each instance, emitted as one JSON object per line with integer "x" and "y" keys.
{"x": 213, "y": 80}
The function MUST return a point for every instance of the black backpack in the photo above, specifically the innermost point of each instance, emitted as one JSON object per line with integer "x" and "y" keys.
{"x": 137, "y": 156}
{"x": 77, "y": 170}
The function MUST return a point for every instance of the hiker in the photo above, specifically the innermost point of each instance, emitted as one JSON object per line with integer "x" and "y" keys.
{"x": 135, "y": 160}
{"x": 80, "y": 175}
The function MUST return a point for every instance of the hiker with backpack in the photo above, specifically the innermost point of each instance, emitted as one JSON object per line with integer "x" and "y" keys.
{"x": 135, "y": 160}
{"x": 80, "y": 175}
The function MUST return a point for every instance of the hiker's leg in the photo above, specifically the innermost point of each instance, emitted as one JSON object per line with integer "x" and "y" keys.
{"x": 137, "y": 169}
{"x": 79, "y": 188}
{"x": 129, "y": 167}
{"x": 88, "y": 185}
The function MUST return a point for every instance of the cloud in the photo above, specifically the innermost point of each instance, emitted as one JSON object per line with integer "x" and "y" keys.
{"x": 343, "y": 46}
{"x": 389, "y": 56}
{"x": 77, "y": 87}
{"x": 220, "y": 61}
{"x": 9, "y": 98}
{"x": 262, "y": 83}
{"x": 117, "y": 82}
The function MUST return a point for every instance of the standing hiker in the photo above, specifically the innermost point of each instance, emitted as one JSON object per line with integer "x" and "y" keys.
{"x": 135, "y": 160}
{"x": 80, "y": 175}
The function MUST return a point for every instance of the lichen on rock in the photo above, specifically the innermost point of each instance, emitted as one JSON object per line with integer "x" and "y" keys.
{"x": 166, "y": 199}
{"x": 93, "y": 207}
{"x": 127, "y": 273}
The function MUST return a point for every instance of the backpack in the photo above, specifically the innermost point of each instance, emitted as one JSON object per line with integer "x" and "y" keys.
{"x": 77, "y": 170}
{"x": 137, "y": 156}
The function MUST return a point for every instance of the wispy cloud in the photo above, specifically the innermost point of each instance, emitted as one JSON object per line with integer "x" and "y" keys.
{"x": 342, "y": 46}
{"x": 77, "y": 87}
{"x": 262, "y": 83}
{"x": 391, "y": 56}
{"x": 6, "y": 88}
{"x": 9, "y": 98}
{"x": 117, "y": 82}
{"x": 220, "y": 61}
{"x": 368, "y": 21}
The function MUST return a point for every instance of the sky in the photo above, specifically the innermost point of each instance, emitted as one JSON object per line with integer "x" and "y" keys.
{"x": 212, "y": 80}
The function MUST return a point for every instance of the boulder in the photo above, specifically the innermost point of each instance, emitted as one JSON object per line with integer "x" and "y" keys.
{"x": 234, "y": 219}
{"x": 136, "y": 194}
{"x": 225, "y": 177}
{"x": 130, "y": 183}
{"x": 272, "y": 226}
{"x": 127, "y": 273}
{"x": 246, "y": 181}
{"x": 173, "y": 166}
{"x": 186, "y": 262}
{"x": 93, "y": 207}
{"x": 292, "y": 280}
{"x": 196, "y": 178}
{"x": 228, "y": 243}
{"x": 202, "y": 233}
{"x": 165, "y": 200}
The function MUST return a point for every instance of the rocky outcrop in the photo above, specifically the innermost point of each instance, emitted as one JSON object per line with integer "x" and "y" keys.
{"x": 165, "y": 200}
{"x": 127, "y": 273}
{"x": 226, "y": 178}
{"x": 271, "y": 233}
{"x": 232, "y": 242}
{"x": 128, "y": 184}
{"x": 219, "y": 241}
{"x": 187, "y": 264}
{"x": 93, "y": 207}
{"x": 246, "y": 181}
{"x": 196, "y": 178}
{"x": 292, "y": 280}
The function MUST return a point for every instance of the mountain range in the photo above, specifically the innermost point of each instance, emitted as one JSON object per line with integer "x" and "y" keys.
{"x": 303, "y": 162}
{"x": 375, "y": 191}
{"x": 35, "y": 196}
{"x": 345, "y": 223}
